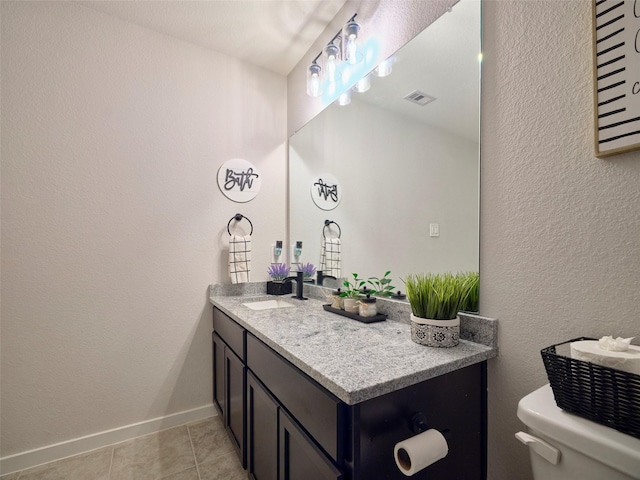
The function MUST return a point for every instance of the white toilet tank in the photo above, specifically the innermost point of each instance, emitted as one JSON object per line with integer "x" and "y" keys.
{"x": 564, "y": 446}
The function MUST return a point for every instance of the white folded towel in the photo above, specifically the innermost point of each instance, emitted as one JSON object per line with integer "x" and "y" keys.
{"x": 330, "y": 257}
{"x": 239, "y": 258}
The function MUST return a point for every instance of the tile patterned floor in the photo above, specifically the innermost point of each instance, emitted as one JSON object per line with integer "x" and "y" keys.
{"x": 197, "y": 451}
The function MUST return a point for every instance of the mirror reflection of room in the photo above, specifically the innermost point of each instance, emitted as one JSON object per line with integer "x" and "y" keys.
{"x": 409, "y": 171}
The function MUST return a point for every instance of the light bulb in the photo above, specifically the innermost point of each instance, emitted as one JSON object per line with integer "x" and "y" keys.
{"x": 344, "y": 98}
{"x": 314, "y": 80}
{"x": 331, "y": 56}
{"x": 352, "y": 52}
{"x": 384, "y": 68}
{"x": 362, "y": 85}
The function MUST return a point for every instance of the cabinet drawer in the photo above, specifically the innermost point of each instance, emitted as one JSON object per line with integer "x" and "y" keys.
{"x": 232, "y": 333}
{"x": 317, "y": 410}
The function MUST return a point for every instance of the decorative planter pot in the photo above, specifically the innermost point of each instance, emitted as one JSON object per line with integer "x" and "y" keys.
{"x": 435, "y": 333}
{"x": 351, "y": 305}
{"x": 279, "y": 288}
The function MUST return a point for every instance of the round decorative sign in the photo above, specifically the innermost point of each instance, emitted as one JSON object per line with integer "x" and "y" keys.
{"x": 239, "y": 180}
{"x": 326, "y": 191}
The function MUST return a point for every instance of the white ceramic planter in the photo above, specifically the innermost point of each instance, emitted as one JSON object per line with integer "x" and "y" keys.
{"x": 351, "y": 305}
{"x": 435, "y": 333}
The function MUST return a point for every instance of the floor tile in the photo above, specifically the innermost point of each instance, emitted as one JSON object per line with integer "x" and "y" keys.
{"x": 153, "y": 457}
{"x": 226, "y": 467}
{"x": 89, "y": 466}
{"x": 209, "y": 439}
{"x": 191, "y": 474}
{"x": 10, "y": 476}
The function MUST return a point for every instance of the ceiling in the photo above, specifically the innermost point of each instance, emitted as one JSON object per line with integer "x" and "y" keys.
{"x": 273, "y": 34}
{"x": 276, "y": 34}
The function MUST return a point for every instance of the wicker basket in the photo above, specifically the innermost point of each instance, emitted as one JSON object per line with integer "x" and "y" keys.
{"x": 604, "y": 395}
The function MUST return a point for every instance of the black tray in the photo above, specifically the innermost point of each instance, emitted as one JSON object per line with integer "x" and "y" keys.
{"x": 377, "y": 318}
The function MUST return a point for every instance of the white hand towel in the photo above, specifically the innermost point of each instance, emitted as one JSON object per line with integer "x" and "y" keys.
{"x": 239, "y": 258}
{"x": 330, "y": 257}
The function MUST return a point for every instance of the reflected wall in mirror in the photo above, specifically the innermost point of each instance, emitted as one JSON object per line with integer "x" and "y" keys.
{"x": 403, "y": 167}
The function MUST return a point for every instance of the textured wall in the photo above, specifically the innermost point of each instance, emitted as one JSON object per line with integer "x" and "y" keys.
{"x": 560, "y": 229}
{"x": 112, "y": 223}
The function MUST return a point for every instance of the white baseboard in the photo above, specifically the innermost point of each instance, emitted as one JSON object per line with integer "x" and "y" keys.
{"x": 38, "y": 456}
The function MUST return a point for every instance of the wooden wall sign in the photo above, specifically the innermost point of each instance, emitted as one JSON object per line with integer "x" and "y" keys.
{"x": 616, "y": 41}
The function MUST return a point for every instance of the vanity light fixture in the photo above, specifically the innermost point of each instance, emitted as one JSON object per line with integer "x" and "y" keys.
{"x": 341, "y": 63}
{"x": 325, "y": 69}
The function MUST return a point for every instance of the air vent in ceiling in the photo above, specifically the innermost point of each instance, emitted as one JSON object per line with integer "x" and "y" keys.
{"x": 419, "y": 98}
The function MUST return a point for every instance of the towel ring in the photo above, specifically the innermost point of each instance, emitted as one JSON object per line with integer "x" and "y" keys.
{"x": 237, "y": 217}
{"x": 326, "y": 225}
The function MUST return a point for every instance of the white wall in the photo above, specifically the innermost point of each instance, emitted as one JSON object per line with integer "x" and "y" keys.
{"x": 559, "y": 249}
{"x": 560, "y": 229}
{"x": 113, "y": 226}
{"x": 389, "y": 199}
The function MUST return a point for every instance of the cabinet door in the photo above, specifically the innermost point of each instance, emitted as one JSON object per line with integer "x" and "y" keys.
{"x": 262, "y": 432}
{"x": 235, "y": 388}
{"x": 299, "y": 457}
{"x": 218, "y": 374}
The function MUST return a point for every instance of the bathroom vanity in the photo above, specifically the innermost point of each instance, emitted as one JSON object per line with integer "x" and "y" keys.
{"x": 307, "y": 394}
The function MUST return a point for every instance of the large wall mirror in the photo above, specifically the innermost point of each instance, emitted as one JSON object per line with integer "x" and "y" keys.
{"x": 408, "y": 172}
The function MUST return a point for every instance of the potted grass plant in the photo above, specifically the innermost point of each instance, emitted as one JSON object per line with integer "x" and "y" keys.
{"x": 435, "y": 301}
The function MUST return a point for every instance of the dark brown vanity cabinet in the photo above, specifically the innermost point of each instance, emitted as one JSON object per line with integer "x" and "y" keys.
{"x": 299, "y": 456}
{"x": 293, "y": 421}
{"x": 291, "y": 428}
{"x": 229, "y": 379}
{"x": 262, "y": 430}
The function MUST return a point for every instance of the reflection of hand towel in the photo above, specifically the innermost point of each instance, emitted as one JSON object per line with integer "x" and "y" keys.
{"x": 239, "y": 258}
{"x": 330, "y": 257}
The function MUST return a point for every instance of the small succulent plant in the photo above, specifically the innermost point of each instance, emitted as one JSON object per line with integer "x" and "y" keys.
{"x": 381, "y": 286}
{"x": 353, "y": 287}
{"x": 307, "y": 269}
{"x": 278, "y": 271}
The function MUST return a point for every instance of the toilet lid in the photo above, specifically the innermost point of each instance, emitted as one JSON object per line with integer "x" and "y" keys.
{"x": 539, "y": 411}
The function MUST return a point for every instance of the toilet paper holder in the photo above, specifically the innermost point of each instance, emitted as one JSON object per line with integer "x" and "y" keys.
{"x": 421, "y": 450}
{"x": 419, "y": 424}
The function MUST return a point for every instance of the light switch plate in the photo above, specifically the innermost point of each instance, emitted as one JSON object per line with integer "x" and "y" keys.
{"x": 434, "y": 229}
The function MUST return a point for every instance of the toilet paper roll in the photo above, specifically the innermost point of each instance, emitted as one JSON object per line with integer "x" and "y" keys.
{"x": 589, "y": 351}
{"x": 420, "y": 451}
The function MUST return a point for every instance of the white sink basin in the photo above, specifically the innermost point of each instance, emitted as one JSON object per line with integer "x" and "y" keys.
{"x": 267, "y": 304}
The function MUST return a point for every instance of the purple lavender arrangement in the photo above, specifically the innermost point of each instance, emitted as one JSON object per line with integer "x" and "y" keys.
{"x": 307, "y": 269}
{"x": 278, "y": 271}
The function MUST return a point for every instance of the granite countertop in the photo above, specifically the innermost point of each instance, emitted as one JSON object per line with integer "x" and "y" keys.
{"x": 353, "y": 360}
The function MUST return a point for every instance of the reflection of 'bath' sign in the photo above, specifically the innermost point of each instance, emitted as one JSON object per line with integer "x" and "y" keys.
{"x": 616, "y": 39}
{"x": 239, "y": 180}
{"x": 326, "y": 191}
